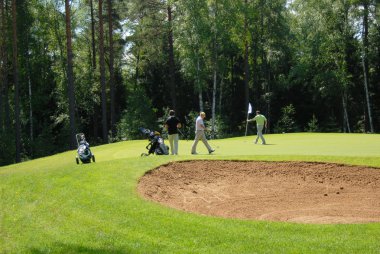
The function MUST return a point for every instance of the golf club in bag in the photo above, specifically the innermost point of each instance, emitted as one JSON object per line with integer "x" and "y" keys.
{"x": 84, "y": 153}
{"x": 156, "y": 143}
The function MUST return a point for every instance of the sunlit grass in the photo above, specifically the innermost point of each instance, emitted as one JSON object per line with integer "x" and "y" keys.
{"x": 52, "y": 205}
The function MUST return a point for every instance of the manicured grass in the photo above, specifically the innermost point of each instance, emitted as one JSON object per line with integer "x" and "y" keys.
{"x": 52, "y": 205}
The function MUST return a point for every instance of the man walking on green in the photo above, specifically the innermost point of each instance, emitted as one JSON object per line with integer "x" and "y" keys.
{"x": 261, "y": 121}
{"x": 200, "y": 134}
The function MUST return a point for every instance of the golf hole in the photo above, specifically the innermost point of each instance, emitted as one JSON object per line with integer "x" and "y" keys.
{"x": 300, "y": 192}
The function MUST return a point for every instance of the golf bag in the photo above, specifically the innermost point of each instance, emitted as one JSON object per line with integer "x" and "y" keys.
{"x": 84, "y": 153}
{"x": 156, "y": 143}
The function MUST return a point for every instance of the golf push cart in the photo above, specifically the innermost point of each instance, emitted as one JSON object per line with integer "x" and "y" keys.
{"x": 84, "y": 153}
{"x": 156, "y": 143}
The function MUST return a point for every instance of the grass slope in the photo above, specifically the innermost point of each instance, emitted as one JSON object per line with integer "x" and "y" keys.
{"x": 52, "y": 205}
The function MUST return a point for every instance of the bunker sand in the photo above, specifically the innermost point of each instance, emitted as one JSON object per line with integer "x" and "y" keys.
{"x": 300, "y": 192}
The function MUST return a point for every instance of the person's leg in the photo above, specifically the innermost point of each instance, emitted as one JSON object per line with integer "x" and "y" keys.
{"x": 204, "y": 140}
{"x": 263, "y": 139}
{"x": 260, "y": 133}
{"x": 176, "y": 138}
{"x": 196, "y": 139}
{"x": 171, "y": 139}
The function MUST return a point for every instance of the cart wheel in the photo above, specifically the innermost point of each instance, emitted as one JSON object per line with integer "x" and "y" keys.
{"x": 93, "y": 158}
{"x": 77, "y": 160}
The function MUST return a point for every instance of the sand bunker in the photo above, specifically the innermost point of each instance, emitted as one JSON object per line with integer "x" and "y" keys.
{"x": 302, "y": 192}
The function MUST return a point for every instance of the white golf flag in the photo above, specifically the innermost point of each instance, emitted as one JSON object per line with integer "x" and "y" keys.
{"x": 249, "y": 108}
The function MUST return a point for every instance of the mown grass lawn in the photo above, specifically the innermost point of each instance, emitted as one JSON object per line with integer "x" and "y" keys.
{"x": 52, "y": 205}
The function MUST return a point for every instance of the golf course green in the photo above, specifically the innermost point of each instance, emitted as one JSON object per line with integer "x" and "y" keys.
{"x": 53, "y": 205}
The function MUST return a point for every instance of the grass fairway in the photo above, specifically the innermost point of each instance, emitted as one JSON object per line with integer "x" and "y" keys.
{"x": 52, "y": 205}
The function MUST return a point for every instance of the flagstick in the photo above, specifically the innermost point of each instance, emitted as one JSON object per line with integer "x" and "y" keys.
{"x": 246, "y": 125}
{"x": 248, "y": 112}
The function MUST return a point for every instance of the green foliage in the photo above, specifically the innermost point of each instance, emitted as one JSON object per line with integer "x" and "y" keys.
{"x": 303, "y": 52}
{"x": 7, "y": 148}
{"x": 360, "y": 125}
{"x": 312, "y": 125}
{"x": 287, "y": 123}
{"x": 220, "y": 128}
{"x": 188, "y": 129}
{"x": 139, "y": 113}
{"x": 162, "y": 120}
{"x": 45, "y": 143}
{"x": 331, "y": 125}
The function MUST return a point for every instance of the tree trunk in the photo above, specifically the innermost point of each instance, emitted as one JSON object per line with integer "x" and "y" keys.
{"x": 213, "y": 105}
{"x": 3, "y": 62}
{"x": 200, "y": 97}
{"x": 267, "y": 68}
{"x": 368, "y": 100}
{"x": 93, "y": 35}
{"x": 246, "y": 76}
{"x": 255, "y": 68}
{"x": 70, "y": 75}
{"x": 102, "y": 73}
{"x": 268, "y": 100}
{"x": 111, "y": 67}
{"x": 60, "y": 46}
{"x": 30, "y": 112}
{"x": 215, "y": 67}
{"x": 1, "y": 99}
{"x": 137, "y": 69}
{"x": 93, "y": 65}
{"x": 28, "y": 72}
{"x": 220, "y": 95}
{"x": 30, "y": 101}
{"x": 345, "y": 113}
{"x": 16, "y": 83}
{"x": 246, "y": 62}
{"x": 7, "y": 116}
{"x": 365, "y": 65}
{"x": 255, "y": 71}
{"x": 172, "y": 86}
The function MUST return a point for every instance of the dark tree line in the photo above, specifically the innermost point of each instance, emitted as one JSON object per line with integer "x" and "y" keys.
{"x": 108, "y": 67}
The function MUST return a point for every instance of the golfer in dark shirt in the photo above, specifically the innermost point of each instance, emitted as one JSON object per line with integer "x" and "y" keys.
{"x": 172, "y": 125}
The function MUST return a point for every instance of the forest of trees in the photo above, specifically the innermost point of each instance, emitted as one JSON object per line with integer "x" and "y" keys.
{"x": 106, "y": 68}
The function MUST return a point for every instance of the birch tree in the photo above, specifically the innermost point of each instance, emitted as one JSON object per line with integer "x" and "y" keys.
{"x": 366, "y": 6}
